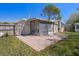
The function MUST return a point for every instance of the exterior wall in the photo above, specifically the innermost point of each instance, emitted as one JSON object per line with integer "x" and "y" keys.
{"x": 22, "y": 28}
{"x": 26, "y": 29}
{"x": 62, "y": 29}
{"x": 58, "y": 26}
{"x": 55, "y": 28}
{"x": 19, "y": 28}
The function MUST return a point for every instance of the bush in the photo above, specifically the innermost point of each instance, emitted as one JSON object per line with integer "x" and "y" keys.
{"x": 70, "y": 27}
{"x": 6, "y": 35}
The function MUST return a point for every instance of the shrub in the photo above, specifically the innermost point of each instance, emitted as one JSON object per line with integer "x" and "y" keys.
{"x": 6, "y": 35}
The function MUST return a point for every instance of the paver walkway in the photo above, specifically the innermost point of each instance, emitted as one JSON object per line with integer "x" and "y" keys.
{"x": 38, "y": 42}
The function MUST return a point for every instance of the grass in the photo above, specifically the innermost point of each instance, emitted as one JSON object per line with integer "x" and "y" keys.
{"x": 11, "y": 46}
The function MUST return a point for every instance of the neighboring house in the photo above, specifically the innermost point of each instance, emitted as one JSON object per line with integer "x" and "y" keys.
{"x": 33, "y": 26}
{"x": 76, "y": 27}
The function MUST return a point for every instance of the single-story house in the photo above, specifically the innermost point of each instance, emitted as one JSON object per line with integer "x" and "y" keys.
{"x": 32, "y": 26}
{"x": 76, "y": 27}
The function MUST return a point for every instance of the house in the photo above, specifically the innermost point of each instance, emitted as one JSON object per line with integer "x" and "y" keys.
{"x": 76, "y": 27}
{"x": 34, "y": 26}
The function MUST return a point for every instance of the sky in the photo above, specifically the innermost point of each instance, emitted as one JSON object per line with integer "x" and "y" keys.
{"x": 12, "y": 12}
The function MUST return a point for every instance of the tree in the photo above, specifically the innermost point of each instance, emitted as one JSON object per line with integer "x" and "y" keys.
{"x": 74, "y": 18}
{"x": 51, "y": 11}
{"x": 5, "y": 22}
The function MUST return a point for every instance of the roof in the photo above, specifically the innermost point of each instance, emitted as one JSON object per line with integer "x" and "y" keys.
{"x": 55, "y": 20}
{"x": 40, "y": 20}
{"x": 21, "y": 21}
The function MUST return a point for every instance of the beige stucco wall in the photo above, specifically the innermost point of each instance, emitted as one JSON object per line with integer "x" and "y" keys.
{"x": 55, "y": 28}
{"x": 62, "y": 29}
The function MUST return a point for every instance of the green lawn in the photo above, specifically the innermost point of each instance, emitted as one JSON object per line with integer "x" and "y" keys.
{"x": 12, "y": 46}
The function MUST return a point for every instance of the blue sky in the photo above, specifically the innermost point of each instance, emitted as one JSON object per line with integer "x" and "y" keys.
{"x": 13, "y": 12}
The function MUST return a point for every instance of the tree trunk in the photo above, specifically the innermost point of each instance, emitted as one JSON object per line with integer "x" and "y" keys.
{"x": 49, "y": 17}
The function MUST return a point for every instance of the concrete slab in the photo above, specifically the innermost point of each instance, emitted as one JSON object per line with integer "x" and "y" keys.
{"x": 39, "y": 42}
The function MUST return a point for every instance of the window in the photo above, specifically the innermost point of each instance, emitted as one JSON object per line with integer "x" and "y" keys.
{"x": 77, "y": 26}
